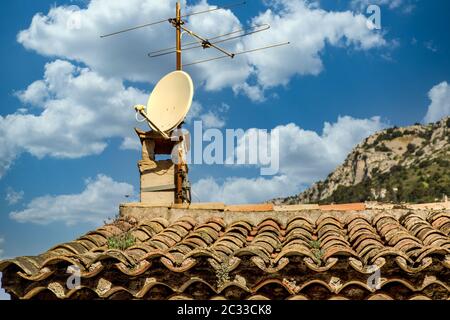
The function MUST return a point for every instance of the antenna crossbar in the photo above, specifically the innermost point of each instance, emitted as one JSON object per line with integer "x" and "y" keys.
{"x": 232, "y": 5}
{"x": 196, "y": 45}
{"x": 206, "y": 43}
{"x": 236, "y": 54}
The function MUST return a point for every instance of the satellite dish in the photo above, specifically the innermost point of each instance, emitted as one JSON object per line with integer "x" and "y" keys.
{"x": 170, "y": 101}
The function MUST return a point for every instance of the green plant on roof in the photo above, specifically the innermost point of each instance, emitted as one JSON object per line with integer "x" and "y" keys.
{"x": 222, "y": 273}
{"x": 315, "y": 244}
{"x": 317, "y": 252}
{"x": 121, "y": 241}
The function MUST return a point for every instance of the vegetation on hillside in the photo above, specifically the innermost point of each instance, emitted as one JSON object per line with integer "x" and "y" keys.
{"x": 427, "y": 181}
{"x": 396, "y": 165}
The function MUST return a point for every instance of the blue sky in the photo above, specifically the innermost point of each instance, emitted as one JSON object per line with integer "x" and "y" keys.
{"x": 336, "y": 83}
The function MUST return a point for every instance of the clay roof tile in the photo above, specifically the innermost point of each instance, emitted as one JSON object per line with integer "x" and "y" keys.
{"x": 294, "y": 256}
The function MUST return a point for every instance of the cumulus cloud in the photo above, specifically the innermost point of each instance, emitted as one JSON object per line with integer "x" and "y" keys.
{"x": 308, "y": 155}
{"x": 440, "y": 103}
{"x": 12, "y": 196}
{"x": 254, "y": 93}
{"x": 244, "y": 190}
{"x": 308, "y": 27}
{"x": 213, "y": 117}
{"x": 77, "y": 110}
{"x": 97, "y": 202}
{"x": 305, "y": 157}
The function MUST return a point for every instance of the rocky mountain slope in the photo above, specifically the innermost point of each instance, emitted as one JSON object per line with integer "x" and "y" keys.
{"x": 410, "y": 164}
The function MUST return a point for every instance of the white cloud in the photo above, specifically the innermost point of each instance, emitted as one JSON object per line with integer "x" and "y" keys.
{"x": 214, "y": 117}
{"x": 211, "y": 120}
{"x": 130, "y": 143}
{"x": 244, "y": 190}
{"x": 97, "y": 202}
{"x": 254, "y": 93}
{"x": 3, "y": 294}
{"x": 440, "y": 103}
{"x": 305, "y": 157}
{"x": 12, "y": 196}
{"x": 36, "y": 94}
{"x": 78, "y": 110}
{"x": 308, "y": 27}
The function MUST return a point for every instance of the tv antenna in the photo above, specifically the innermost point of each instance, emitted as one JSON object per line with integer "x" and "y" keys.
{"x": 172, "y": 119}
{"x": 201, "y": 42}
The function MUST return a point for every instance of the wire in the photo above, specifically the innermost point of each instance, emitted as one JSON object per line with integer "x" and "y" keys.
{"x": 195, "y": 45}
{"x": 168, "y": 19}
{"x": 236, "y": 54}
{"x": 133, "y": 28}
{"x": 136, "y": 116}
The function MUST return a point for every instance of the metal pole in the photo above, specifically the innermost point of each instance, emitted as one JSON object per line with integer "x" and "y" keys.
{"x": 178, "y": 28}
{"x": 179, "y": 166}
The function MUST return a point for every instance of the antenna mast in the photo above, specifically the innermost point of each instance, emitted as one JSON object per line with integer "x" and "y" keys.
{"x": 180, "y": 168}
{"x": 178, "y": 23}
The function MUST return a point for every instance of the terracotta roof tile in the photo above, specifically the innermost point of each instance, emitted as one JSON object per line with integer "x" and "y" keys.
{"x": 327, "y": 256}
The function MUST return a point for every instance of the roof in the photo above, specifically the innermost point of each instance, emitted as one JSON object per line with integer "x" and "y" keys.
{"x": 243, "y": 254}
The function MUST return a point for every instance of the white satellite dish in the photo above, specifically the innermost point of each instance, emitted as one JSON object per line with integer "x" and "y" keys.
{"x": 170, "y": 101}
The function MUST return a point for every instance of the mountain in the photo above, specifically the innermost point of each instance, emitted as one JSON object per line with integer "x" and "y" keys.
{"x": 410, "y": 164}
